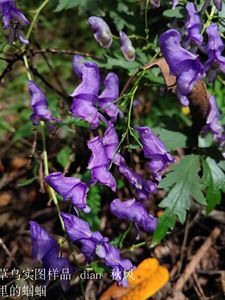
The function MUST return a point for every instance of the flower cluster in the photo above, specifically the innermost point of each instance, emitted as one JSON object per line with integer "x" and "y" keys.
{"x": 46, "y": 249}
{"x": 13, "y": 19}
{"x": 86, "y": 100}
{"x": 103, "y": 36}
{"x": 188, "y": 69}
{"x": 217, "y": 3}
{"x": 93, "y": 243}
{"x": 93, "y": 104}
{"x": 87, "y": 104}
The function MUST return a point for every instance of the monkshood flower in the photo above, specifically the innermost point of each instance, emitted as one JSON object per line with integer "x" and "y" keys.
{"x": 46, "y": 249}
{"x": 141, "y": 186}
{"x": 86, "y": 94}
{"x": 93, "y": 243}
{"x": 193, "y": 25}
{"x": 99, "y": 163}
{"x": 13, "y": 18}
{"x": 218, "y": 4}
{"x": 155, "y": 151}
{"x": 183, "y": 64}
{"x": 212, "y": 122}
{"x": 155, "y": 3}
{"x": 101, "y": 31}
{"x": 69, "y": 188}
{"x": 78, "y": 61}
{"x": 79, "y": 230}
{"x": 112, "y": 258}
{"x": 134, "y": 211}
{"x": 175, "y": 2}
{"x": 109, "y": 94}
{"x": 110, "y": 141}
{"x": 39, "y": 104}
{"x": 126, "y": 47}
{"x": 214, "y": 49}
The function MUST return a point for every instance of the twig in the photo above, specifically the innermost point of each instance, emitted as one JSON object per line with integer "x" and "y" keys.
{"x": 190, "y": 268}
{"x": 199, "y": 289}
{"x": 32, "y": 52}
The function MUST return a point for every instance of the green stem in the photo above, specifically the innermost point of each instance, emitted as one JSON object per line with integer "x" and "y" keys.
{"x": 146, "y": 19}
{"x": 210, "y": 17}
{"x": 27, "y": 67}
{"x": 38, "y": 11}
{"x": 46, "y": 173}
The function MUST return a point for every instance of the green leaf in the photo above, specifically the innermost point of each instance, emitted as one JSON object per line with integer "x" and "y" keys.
{"x": 171, "y": 139}
{"x": 184, "y": 182}
{"x": 214, "y": 179}
{"x": 63, "y": 156}
{"x": 26, "y": 182}
{"x": 84, "y": 5}
{"x": 165, "y": 222}
{"x": 24, "y": 131}
{"x": 99, "y": 268}
{"x": 178, "y": 13}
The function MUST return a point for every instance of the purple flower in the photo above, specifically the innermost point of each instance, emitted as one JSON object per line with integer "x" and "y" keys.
{"x": 93, "y": 243}
{"x": 39, "y": 104}
{"x": 218, "y": 4}
{"x": 110, "y": 141}
{"x": 101, "y": 31}
{"x": 112, "y": 258}
{"x": 86, "y": 94}
{"x": 175, "y": 2}
{"x": 46, "y": 249}
{"x": 79, "y": 231}
{"x": 212, "y": 122}
{"x": 193, "y": 25}
{"x": 155, "y": 151}
{"x": 109, "y": 94}
{"x": 141, "y": 186}
{"x": 183, "y": 64}
{"x": 214, "y": 49}
{"x": 69, "y": 188}
{"x": 13, "y": 18}
{"x": 126, "y": 47}
{"x": 155, "y": 3}
{"x": 99, "y": 163}
{"x": 134, "y": 211}
{"x": 78, "y": 61}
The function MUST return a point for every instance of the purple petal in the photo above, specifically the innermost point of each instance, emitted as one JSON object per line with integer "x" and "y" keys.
{"x": 127, "y": 47}
{"x": 155, "y": 150}
{"x": 193, "y": 25}
{"x": 76, "y": 228}
{"x": 102, "y": 175}
{"x": 110, "y": 94}
{"x": 175, "y": 2}
{"x": 98, "y": 157}
{"x": 218, "y": 4}
{"x": 214, "y": 49}
{"x": 110, "y": 141}
{"x": 111, "y": 256}
{"x": 78, "y": 61}
{"x": 86, "y": 94}
{"x": 42, "y": 243}
{"x": 142, "y": 187}
{"x": 183, "y": 64}
{"x": 69, "y": 188}
{"x": 101, "y": 31}
{"x": 39, "y": 104}
{"x": 134, "y": 211}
